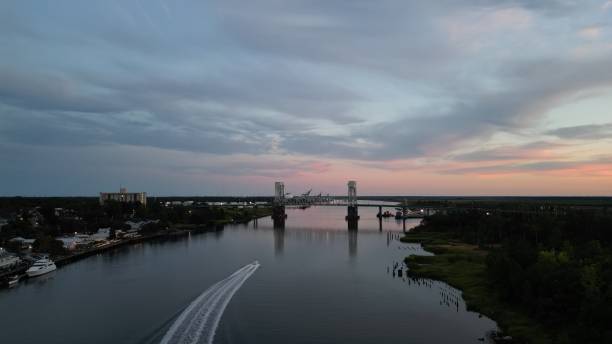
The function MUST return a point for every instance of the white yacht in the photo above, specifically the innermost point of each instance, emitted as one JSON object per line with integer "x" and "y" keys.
{"x": 41, "y": 267}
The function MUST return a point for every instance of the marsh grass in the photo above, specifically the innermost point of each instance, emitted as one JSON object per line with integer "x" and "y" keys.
{"x": 463, "y": 266}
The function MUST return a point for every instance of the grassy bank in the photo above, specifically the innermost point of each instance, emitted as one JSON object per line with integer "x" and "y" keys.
{"x": 464, "y": 267}
{"x": 247, "y": 214}
{"x": 227, "y": 216}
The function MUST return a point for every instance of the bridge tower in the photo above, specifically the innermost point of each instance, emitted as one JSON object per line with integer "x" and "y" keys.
{"x": 352, "y": 212}
{"x": 279, "y": 192}
{"x": 278, "y": 206}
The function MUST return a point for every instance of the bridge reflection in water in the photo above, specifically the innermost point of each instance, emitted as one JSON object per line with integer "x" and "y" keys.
{"x": 279, "y": 234}
{"x": 327, "y": 224}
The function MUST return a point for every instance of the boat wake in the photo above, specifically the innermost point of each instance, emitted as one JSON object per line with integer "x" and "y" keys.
{"x": 199, "y": 321}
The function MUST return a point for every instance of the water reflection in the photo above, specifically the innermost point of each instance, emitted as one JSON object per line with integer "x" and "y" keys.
{"x": 279, "y": 222}
{"x": 352, "y": 241}
{"x": 448, "y": 296}
{"x": 279, "y": 234}
{"x": 353, "y": 227}
{"x": 279, "y": 241}
{"x": 40, "y": 281}
{"x": 306, "y": 292}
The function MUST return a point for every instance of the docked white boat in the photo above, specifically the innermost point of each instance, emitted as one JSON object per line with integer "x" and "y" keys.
{"x": 13, "y": 281}
{"x": 41, "y": 267}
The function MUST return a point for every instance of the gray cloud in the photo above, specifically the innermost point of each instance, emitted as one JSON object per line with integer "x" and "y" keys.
{"x": 530, "y": 167}
{"x": 518, "y": 152}
{"x": 359, "y": 80}
{"x": 535, "y": 88}
{"x": 50, "y": 93}
{"x": 584, "y": 132}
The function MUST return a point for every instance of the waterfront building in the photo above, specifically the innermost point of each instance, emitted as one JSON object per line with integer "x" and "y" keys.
{"x": 101, "y": 235}
{"x": 69, "y": 243}
{"x": 81, "y": 240}
{"x": 25, "y": 243}
{"x": 66, "y": 214}
{"x": 136, "y": 226}
{"x": 124, "y": 197}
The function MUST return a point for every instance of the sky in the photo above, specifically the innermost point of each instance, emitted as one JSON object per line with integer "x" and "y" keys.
{"x": 224, "y": 97}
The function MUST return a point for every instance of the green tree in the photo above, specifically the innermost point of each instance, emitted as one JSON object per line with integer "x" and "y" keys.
{"x": 48, "y": 245}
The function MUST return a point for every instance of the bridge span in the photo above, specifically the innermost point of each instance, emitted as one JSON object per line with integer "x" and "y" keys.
{"x": 403, "y": 211}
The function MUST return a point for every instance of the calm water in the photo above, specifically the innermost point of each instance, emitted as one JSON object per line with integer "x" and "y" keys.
{"x": 318, "y": 283}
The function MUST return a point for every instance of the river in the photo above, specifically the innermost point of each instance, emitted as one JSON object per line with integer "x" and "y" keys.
{"x": 317, "y": 283}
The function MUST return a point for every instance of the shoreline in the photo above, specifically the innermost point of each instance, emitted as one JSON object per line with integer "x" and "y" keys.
{"x": 463, "y": 266}
{"x": 177, "y": 230}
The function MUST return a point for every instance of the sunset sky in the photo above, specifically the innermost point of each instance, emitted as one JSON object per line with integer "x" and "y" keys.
{"x": 186, "y": 97}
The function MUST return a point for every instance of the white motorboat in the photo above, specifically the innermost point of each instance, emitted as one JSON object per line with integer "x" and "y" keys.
{"x": 41, "y": 267}
{"x": 13, "y": 281}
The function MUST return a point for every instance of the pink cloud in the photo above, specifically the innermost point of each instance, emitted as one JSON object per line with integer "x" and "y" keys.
{"x": 467, "y": 27}
{"x": 590, "y": 32}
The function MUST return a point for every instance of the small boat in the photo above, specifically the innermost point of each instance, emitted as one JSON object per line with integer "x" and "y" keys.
{"x": 385, "y": 214}
{"x": 41, "y": 267}
{"x": 13, "y": 281}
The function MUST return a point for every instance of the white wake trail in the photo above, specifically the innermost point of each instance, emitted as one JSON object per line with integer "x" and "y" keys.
{"x": 201, "y": 318}
{"x": 196, "y": 317}
{"x": 224, "y": 302}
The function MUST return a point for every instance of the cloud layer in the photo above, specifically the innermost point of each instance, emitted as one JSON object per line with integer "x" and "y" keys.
{"x": 230, "y": 96}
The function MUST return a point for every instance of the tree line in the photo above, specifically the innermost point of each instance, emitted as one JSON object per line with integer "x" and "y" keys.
{"x": 556, "y": 266}
{"x": 86, "y": 215}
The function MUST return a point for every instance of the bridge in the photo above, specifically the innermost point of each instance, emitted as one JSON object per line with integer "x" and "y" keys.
{"x": 352, "y": 205}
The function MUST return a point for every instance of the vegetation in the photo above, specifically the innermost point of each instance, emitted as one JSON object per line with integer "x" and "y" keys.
{"x": 545, "y": 277}
{"x": 46, "y": 218}
{"x": 48, "y": 245}
{"x": 464, "y": 267}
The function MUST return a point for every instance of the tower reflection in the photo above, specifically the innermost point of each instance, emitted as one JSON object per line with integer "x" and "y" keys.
{"x": 352, "y": 236}
{"x": 279, "y": 235}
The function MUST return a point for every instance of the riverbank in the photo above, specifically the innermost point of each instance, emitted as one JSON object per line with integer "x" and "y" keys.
{"x": 463, "y": 266}
{"x": 238, "y": 215}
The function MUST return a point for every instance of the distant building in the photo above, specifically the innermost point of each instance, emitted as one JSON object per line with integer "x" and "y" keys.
{"x": 66, "y": 214}
{"x": 101, "y": 235}
{"x": 69, "y": 243}
{"x": 25, "y": 243}
{"x": 136, "y": 226}
{"x": 124, "y": 196}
